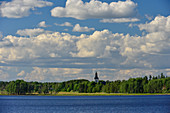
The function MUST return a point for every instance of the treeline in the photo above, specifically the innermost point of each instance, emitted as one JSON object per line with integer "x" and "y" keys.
{"x": 153, "y": 84}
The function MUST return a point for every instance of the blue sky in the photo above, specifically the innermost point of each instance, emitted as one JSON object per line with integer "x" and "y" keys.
{"x": 58, "y": 40}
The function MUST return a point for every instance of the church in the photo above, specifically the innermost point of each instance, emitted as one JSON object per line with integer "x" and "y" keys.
{"x": 96, "y": 78}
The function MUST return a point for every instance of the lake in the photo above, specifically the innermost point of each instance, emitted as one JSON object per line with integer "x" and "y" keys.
{"x": 85, "y": 104}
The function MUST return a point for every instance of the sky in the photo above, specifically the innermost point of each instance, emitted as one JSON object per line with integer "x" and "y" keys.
{"x": 60, "y": 40}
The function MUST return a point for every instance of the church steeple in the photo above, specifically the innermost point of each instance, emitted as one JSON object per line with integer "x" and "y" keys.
{"x": 96, "y": 78}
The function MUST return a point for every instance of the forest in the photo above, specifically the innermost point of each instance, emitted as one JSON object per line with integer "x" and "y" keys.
{"x": 151, "y": 84}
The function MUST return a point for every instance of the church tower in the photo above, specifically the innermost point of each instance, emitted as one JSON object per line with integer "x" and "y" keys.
{"x": 96, "y": 78}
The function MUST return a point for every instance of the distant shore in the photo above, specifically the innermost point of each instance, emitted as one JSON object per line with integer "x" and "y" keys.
{"x": 133, "y": 86}
{"x": 92, "y": 94}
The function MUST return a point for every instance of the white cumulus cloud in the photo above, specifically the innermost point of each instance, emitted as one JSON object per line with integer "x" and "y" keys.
{"x": 120, "y": 20}
{"x": 44, "y": 45}
{"x": 160, "y": 23}
{"x": 53, "y": 74}
{"x": 21, "y": 73}
{"x": 42, "y": 24}
{"x": 95, "y": 9}
{"x": 100, "y": 49}
{"x": 21, "y": 8}
{"x": 31, "y": 32}
{"x": 4, "y": 74}
{"x": 68, "y": 24}
{"x": 78, "y": 28}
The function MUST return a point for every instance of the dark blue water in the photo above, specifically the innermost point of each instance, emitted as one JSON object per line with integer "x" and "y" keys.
{"x": 85, "y": 104}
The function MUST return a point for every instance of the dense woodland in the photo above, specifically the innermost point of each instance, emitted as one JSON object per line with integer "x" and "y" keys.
{"x": 151, "y": 84}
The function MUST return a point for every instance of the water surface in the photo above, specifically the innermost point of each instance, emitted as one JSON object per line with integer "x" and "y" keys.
{"x": 85, "y": 104}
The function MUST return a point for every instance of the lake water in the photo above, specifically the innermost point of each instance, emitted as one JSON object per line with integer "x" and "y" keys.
{"x": 85, "y": 104}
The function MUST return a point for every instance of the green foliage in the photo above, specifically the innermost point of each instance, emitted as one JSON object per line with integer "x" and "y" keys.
{"x": 45, "y": 88}
{"x": 18, "y": 87}
{"x": 151, "y": 84}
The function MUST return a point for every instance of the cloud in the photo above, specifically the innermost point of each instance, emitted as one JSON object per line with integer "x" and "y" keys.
{"x": 43, "y": 45}
{"x": 37, "y": 75}
{"x": 21, "y": 73}
{"x": 148, "y": 17}
{"x": 7, "y": 73}
{"x": 159, "y": 24}
{"x": 4, "y": 74}
{"x": 132, "y": 25}
{"x": 101, "y": 49}
{"x": 95, "y": 9}
{"x": 65, "y": 74}
{"x": 135, "y": 49}
{"x": 89, "y": 46}
{"x": 21, "y": 8}
{"x": 1, "y": 35}
{"x": 42, "y": 24}
{"x": 120, "y": 20}
{"x": 65, "y": 30}
{"x": 31, "y": 32}
{"x": 133, "y": 73}
{"x": 78, "y": 28}
{"x": 68, "y": 24}
{"x": 53, "y": 74}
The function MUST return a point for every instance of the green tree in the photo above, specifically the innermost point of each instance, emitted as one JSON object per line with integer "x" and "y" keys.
{"x": 162, "y": 75}
{"x": 18, "y": 87}
{"x": 150, "y": 77}
{"x": 45, "y": 89}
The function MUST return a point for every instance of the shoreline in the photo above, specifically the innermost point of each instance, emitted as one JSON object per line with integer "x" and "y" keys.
{"x": 89, "y": 94}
